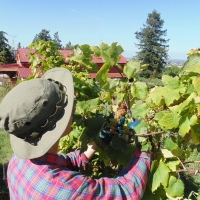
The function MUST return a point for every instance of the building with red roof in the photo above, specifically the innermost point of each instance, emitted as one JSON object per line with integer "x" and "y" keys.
{"x": 21, "y": 69}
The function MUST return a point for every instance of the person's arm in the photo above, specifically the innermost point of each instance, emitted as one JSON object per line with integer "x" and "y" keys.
{"x": 92, "y": 148}
{"x": 129, "y": 184}
{"x": 77, "y": 160}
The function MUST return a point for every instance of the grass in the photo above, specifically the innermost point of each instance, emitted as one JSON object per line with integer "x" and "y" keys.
{"x": 5, "y": 147}
{"x": 5, "y": 154}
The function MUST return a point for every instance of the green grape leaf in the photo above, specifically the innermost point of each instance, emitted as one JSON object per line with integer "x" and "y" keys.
{"x": 96, "y": 50}
{"x": 146, "y": 147}
{"x": 75, "y": 133}
{"x": 156, "y": 95}
{"x": 193, "y": 120}
{"x": 171, "y": 82}
{"x": 173, "y": 165}
{"x": 195, "y": 68}
{"x": 112, "y": 83}
{"x": 166, "y": 153}
{"x": 185, "y": 104}
{"x": 175, "y": 187}
{"x": 172, "y": 146}
{"x": 94, "y": 123}
{"x": 184, "y": 127}
{"x": 84, "y": 106}
{"x": 159, "y": 115}
{"x": 161, "y": 176}
{"x": 140, "y": 110}
{"x": 170, "y": 120}
{"x": 131, "y": 67}
{"x": 191, "y": 61}
{"x": 119, "y": 143}
{"x": 196, "y": 83}
{"x": 195, "y": 134}
{"x": 102, "y": 74}
{"x": 171, "y": 96}
{"x": 120, "y": 96}
{"x": 139, "y": 90}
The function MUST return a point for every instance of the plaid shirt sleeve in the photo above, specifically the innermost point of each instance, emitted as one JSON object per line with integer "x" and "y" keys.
{"x": 50, "y": 178}
{"x": 75, "y": 160}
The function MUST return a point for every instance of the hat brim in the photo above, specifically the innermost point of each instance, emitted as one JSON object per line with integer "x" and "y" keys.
{"x": 22, "y": 148}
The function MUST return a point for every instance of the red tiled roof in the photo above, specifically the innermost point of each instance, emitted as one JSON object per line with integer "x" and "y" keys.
{"x": 9, "y": 67}
{"x": 25, "y": 72}
{"x": 23, "y": 55}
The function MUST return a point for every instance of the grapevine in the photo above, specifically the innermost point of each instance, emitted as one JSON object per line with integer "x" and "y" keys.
{"x": 169, "y": 114}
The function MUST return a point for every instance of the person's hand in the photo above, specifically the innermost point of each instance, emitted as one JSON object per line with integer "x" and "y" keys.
{"x": 105, "y": 135}
{"x": 132, "y": 125}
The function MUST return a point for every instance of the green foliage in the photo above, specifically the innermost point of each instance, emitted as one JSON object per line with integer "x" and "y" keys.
{"x": 5, "y": 147}
{"x": 44, "y": 55}
{"x": 169, "y": 115}
{"x": 6, "y": 52}
{"x": 172, "y": 70}
{"x": 152, "y": 46}
{"x": 4, "y": 89}
{"x": 57, "y": 40}
{"x": 43, "y": 35}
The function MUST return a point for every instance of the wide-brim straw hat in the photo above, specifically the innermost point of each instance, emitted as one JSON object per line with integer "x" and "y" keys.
{"x": 36, "y": 112}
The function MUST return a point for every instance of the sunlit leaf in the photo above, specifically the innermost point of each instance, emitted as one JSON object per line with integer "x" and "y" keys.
{"x": 173, "y": 147}
{"x": 184, "y": 126}
{"x": 196, "y": 83}
{"x": 170, "y": 120}
{"x": 140, "y": 110}
{"x": 175, "y": 187}
{"x": 161, "y": 176}
{"x": 139, "y": 90}
{"x": 195, "y": 134}
{"x": 173, "y": 165}
{"x": 131, "y": 67}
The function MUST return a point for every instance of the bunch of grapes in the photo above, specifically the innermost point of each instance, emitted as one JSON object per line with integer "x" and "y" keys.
{"x": 119, "y": 113}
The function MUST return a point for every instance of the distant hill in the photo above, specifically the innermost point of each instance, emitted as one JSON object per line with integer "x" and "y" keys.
{"x": 170, "y": 62}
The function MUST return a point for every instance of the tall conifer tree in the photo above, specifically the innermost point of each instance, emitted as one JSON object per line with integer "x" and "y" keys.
{"x": 153, "y": 48}
{"x": 6, "y": 51}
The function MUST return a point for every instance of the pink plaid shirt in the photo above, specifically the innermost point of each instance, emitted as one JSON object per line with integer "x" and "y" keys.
{"x": 57, "y": 177}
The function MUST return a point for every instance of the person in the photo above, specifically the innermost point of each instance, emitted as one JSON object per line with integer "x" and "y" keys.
{"x": 37, "y": 113}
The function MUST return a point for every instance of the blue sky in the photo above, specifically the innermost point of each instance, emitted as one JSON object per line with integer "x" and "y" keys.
{"x": 92, "y": 22}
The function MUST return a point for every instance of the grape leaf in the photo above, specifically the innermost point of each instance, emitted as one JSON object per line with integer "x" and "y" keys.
{"x": 195, "y": 134}
{"x": 156, "y": 95}
{"x": 184, "y": 126}
{"x": 102, "y": 74}
{"x": 159, "y": 115}
{"x": 191, "y": 61}
{"x": 131, "y": 67}
{"x": 139, "y": 90}
{"x": 173, "y": 165}
{"x": 174, "y": 95}
{"x": 172, "y": 146}
{"x": 140, "y": 110}
{"x": 161, "y": 176}
{"x": 166, "y": 153}
{"x": 84, "y": 106}
{"x": 171, "y": 82}
{"x": 196, "y": 83}
{"x": 170, "y": 120}
{"x": 194, "y": 68}
{"x": 175, "y": 187}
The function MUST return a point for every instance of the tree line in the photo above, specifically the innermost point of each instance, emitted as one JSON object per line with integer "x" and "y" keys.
{"x": 152, "y": 46}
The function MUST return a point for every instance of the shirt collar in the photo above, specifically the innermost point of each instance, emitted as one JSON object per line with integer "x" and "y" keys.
{"x": 51, "y": 159}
